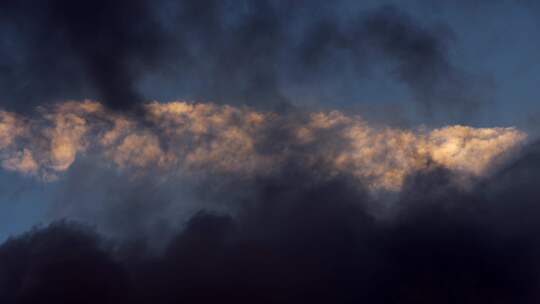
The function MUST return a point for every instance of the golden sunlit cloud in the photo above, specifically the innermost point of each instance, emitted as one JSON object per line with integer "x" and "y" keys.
{"x": 204, "y": 138}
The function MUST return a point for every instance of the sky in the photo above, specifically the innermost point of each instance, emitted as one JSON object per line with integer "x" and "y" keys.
{"x": 300, "y": 54}
{"x": 269, "y": 151}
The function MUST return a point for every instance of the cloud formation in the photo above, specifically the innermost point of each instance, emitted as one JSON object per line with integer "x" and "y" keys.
{"x": 204, "y": 138}
{"x": 302, "y": 237}
{"x": 248, "y": 52}
{"x": 257, "y": 197}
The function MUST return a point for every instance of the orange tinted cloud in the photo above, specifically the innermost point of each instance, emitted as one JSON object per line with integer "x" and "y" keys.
{"x": 206, "y": 138}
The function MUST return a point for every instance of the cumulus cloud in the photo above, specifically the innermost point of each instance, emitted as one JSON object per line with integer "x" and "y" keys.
{"x": 204, "y": 138}
{"x": 300, "y": 236}
{"x": 252, "y": 198}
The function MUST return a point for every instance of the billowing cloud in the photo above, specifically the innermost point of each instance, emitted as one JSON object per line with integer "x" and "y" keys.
{"x": 262, "y": 53}
{"x": 303, "y": 237}
{"x": 305, "y": 180}
{"x": 203, "y": 138}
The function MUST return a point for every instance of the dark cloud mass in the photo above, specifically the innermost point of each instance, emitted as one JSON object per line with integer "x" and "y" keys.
{"x": 243, "y": 52}
{"x": 64, "y": 49}
{"x": 302, "y": 237}
{"x": 289, "y": 222}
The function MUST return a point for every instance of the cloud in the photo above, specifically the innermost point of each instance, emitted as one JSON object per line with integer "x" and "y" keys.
{"x": 300, "y": 236}
{"x": 252, "y": 198}
{"x": 230, "y": 52}
{"x": 143, "y": 176}
{"x": 66, "y": 255}
{"x": 91, "y": 47}
{"x": 204, "y": 139}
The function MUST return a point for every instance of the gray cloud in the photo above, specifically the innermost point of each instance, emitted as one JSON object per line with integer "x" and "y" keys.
{"x": 228, "y": 52}
{"x": 299, "y": 236}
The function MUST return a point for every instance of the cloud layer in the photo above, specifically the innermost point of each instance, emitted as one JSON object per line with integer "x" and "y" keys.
{"x": 185, "y": 138}
{"x": 261, "y": 53}
{"x": 302, "y": 237}
{"x": 277, "y": 191}
{"x": 296, "y": 215}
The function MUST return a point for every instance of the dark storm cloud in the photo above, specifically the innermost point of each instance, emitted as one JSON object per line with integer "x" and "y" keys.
{"x": 70, "y": 47}
{"x": 225, "y": 51}
{"x": 301, "y": 236}
{"x": 60, "y": 264}
{"x": 417, "y": 54}
{"x": 298, "y": 234}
